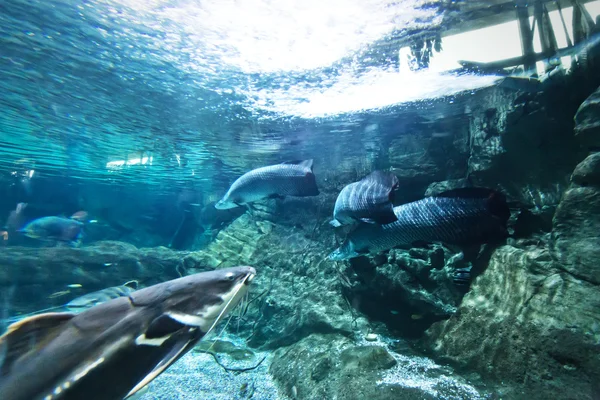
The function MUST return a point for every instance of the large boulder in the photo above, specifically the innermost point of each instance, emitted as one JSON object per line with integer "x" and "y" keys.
{"x": 587, "y": 121}
{"x": 528, "y": 323}
{"x": 297, "y": 289}
{"x": 523, "y": 146}
{"x": 575, "y": 240}
{"x": 408, "y": 290}
{"x": 333, "y": 367}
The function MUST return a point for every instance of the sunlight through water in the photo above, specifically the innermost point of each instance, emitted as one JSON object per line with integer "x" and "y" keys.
{"x": 284, "y": 43}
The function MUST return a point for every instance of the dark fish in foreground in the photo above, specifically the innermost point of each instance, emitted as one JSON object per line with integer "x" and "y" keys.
{"x": 457, "y": 217}
{"x": 113, "y": 350}
{"x": 59, "y": 229}
{"x": 294, "y": 178}
{"x": 368, "y": 200}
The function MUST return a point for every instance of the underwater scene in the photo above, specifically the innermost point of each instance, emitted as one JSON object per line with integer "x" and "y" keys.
{"x": 299, "y": 199}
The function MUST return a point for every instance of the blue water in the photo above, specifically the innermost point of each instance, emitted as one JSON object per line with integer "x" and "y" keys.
{"x": 141, "y": 113}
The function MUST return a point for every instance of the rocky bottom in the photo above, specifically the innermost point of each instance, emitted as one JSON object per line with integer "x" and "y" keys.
{"x": 317, "y": 367}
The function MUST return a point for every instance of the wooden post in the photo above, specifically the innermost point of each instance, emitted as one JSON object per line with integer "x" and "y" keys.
{"x": 526, "y": 38}
{"x": 547, "y": 38}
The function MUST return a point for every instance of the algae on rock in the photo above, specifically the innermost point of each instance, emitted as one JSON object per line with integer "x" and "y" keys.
{"x": 529, "y": 323}
{"x": 332, "y": 366}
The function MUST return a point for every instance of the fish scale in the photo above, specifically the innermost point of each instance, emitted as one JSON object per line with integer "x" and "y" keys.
{"x": 286, "y": 179}
{"x": 451, "y": 220}
{"x": 368, "y": 200}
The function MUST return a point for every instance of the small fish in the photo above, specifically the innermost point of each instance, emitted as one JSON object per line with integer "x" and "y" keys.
{"x": 294, "y": 178}
{"x": 368, "y": 200}
{"x": 465, "y": 216}
{"x": 416, "y": 317}
{"x": 115, "y": 349}
{"x": 54, "y": 228}
{"x": 74, "y": 285}
{"x": 4, "y": 235}
{"x": 59, "y": 294}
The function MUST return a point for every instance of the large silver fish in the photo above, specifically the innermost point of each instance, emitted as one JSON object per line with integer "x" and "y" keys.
{"x": 294, "y": 178}
{"x": 460, "y": 217}
{"x": 113, "y": 350}
{"x": 368, "y": 200}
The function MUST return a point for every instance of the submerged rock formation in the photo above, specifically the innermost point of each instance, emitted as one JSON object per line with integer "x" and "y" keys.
{"x": 587, "y": 121}
{"x": 576, "y": 233}
{"x": 529, "y": 323}
{"x": 333, "y": 367}
{"x": 533, "y": 317}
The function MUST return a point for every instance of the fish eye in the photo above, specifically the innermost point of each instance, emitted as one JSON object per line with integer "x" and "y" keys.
{"x": 230, "y": 276}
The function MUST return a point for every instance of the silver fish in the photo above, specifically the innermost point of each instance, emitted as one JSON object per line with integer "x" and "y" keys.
{"x": 461, "y": 217}
{"x": 294, "y": 178}
{"x": 368, "y": 200}
{"x": 115, "y": 349}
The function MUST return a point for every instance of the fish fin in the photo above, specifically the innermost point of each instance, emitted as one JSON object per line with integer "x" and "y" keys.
{"x": 163, "y": 326}
{"x": 335, "y": 223}
{"x": 305, "y": 163}
{"x": 132, "y": 284}
{"x": 189, "y": 339}
{"x": 27, "y": 334}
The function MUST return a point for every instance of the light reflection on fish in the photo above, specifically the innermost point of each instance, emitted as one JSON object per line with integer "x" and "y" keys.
{"x": 115, "y": 349}
{"x": 294, "y": 178}
{"x": 458, "y": 217}
{"x": 59, "y": 229}
{"x": 368, "y": 200}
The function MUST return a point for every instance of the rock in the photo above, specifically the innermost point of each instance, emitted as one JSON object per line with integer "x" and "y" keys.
{"x": 298, "y": 289}
{"x": 394, "y": 288}
{"x": 523, "y": 321}
{"x": 524, "y": 147}
{"x": 333, "y": 367}
{"x": 438, "y": 187}
{"x": 575, "y": 241}
{"x": 424, "y": 158}
{"x": 587, "y": 173}
{"x": 371, "y": 337}
{"x": 587, "y": 121}
{"x": 36, "y": 273}
{"x": 370, "y": 358}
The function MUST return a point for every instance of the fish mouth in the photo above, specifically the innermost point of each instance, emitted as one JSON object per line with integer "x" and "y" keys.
{"x": 234, "y": 296}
